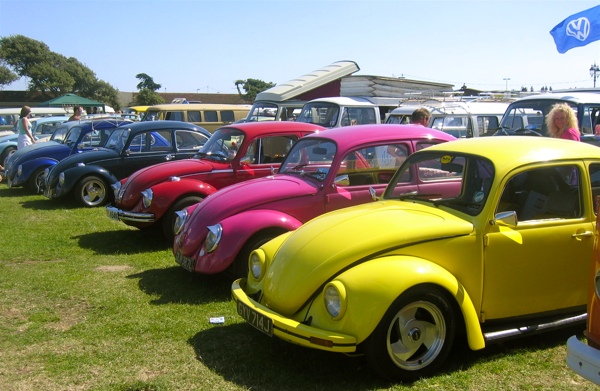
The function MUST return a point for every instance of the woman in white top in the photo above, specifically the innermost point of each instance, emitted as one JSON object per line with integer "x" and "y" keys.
{"x": 24, "y": 129}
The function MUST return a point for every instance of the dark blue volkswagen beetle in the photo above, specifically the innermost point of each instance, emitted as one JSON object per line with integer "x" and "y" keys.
{"x": 88, "y": 176}
{"x": 26, "y": 166}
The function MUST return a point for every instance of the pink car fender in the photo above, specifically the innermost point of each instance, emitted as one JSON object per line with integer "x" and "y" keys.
{"x": 238, "y": 229}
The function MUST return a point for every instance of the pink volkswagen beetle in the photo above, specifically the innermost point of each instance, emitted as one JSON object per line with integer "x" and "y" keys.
{"x": 322, "y": 172}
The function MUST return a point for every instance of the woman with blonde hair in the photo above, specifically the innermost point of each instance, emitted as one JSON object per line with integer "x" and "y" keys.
{"x": 24, "y": 129}
{"x": 561, "y": 122}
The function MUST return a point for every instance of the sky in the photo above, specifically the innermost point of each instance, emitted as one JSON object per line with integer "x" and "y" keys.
{"x": 205, "y": 46}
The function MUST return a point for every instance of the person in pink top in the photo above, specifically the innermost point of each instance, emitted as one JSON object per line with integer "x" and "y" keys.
{"x": 561, "y": 122}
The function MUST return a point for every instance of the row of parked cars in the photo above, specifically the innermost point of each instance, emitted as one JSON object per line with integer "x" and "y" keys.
{"x": 387, "y": 240}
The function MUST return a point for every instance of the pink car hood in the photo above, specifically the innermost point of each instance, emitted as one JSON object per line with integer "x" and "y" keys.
{"x": 150, "y": 176}
{"x": 240, "y": 197}
{"x": 324, "y": 246}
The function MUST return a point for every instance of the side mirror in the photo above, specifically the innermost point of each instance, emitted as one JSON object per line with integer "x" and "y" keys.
{"x": 373, "y": 194}
{"x": 508, "y": 219}
{"x": 342, "y": 180}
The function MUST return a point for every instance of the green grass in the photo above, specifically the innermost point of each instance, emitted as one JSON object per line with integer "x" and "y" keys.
{"x": 89, "y": 304}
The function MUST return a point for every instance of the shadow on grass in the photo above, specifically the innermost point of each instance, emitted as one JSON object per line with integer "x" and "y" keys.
{"x": 176, "y": 285}
{"x": 252, "y": 360}
{"x": 14, "y": 192}
{"x": 44, "y": 203}
{"x": 123, "y": 241}
{"x": 463, "y": 358}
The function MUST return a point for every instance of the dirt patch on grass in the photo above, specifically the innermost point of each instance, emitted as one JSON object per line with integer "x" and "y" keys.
{"x": 114, "y": 268}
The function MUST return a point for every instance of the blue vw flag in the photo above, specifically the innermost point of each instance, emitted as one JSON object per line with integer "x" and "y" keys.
{"x": 577, "y": 30}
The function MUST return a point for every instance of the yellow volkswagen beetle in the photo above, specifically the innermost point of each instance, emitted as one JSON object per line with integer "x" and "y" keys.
{"x": 507, "y": 254}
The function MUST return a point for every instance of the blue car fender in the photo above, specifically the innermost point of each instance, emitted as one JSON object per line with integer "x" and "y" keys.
{"x": 393, "y": 275}
{"x": 30, "y": 166}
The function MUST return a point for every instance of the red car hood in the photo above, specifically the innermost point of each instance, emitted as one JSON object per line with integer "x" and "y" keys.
{"x": 150, "y": 176}
{"x": 238, "y": 198}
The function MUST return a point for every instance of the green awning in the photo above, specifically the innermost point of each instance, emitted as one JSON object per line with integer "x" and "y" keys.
{"x": 70, "y": 100}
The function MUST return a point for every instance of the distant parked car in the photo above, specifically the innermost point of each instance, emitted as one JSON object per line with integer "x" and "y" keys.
{"x": 26, "y": 166}
{"x": 323, "y": 172}
{"x": 526, "y": 116}
{"x": 88, "y": 176}
{"x": 495, "y": 243}
{"x": 42, "y": 128}
{"x": 235, "y": 153}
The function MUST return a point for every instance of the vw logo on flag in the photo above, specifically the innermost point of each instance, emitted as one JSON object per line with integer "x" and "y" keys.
{"x": 579, "y": 28}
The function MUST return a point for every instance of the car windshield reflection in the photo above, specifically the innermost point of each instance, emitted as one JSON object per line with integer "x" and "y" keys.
{"x": 461, "y": 182}
{"x": 223, "y": 145}
{"x": 310, "y": 157}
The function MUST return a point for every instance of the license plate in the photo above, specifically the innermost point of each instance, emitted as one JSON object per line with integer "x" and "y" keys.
{"x": 257, "y": 320}
{"x": 112, "y": 214}
{"x": 184, "y": 262}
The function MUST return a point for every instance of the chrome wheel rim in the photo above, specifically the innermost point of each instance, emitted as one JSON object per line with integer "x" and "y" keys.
{"x": 93, "y": 192}
{"x": 416, "y": 335}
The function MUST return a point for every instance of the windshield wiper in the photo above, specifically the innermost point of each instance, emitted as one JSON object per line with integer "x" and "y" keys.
{"x": 415, "y": 195}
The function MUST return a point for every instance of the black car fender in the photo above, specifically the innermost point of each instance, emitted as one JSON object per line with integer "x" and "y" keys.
{"x": 75, "y": 174}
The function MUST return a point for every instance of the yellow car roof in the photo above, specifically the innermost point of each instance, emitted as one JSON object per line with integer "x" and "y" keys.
{"x": 508, "y": 152}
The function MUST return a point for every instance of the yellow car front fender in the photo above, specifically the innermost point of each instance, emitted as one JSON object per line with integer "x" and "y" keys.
{"x": 371, "y": 288}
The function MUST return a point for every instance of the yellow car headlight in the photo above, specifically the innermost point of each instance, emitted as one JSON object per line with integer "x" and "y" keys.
{"x": 256, "y": 264}
{"x": 334, "y": 297}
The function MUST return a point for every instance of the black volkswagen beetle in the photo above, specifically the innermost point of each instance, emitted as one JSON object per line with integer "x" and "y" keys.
{"x": 88, "y": 176}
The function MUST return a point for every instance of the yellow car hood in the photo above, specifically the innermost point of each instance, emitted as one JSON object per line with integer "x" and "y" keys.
{"x": 326, "y": 245}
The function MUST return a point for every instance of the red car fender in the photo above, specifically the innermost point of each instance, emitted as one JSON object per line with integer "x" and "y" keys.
{"x": 166, "y": 193}
{"x": 240, "y": 227}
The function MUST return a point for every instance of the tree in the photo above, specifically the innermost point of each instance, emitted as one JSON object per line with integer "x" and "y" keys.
{"x": 147, "y": 94}
{"x": 50, "y": 73}
{"x": 146, "y": 83}
{"x": 6, "y": 75}
{"x": 147, "y": 97}
{"x": 252, "y": 87}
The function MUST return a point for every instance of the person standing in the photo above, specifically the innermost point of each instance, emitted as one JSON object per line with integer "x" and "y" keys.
{"x": 561, "y": 122}
{"x": 24, "y": 129}
{"x": 419, "y": 117}
{"x": 77, "y": 111}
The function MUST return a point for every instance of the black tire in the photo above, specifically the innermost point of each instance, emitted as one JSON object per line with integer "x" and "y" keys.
{"x": 168, "y": 219}
{"x": 414, "y": 337}
{"x": 239, "y": 267}
{"x": 6, "y": 154}
{"x": 35, "y": 182}
{"x": 92, "y": 191}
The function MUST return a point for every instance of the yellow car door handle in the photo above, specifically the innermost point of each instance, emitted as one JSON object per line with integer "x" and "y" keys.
{"x": 586, "y": 233}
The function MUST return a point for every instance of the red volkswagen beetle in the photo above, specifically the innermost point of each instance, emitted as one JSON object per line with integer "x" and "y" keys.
{"x": 233, "y": 154}
{"x": 326, "y": 171}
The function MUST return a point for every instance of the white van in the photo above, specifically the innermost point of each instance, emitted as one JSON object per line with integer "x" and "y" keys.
{"x": 10, "y": 116}
{"x": 343, "y": 111}
{"x": 526, "y": 116}
{"x": 461, "y": 119}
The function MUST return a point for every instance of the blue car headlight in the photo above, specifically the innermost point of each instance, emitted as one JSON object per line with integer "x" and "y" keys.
{"x": 214, "y": 237}
{"x": 179, "y": 221}
{"x": 147, "y": 197}
{"x": 20, "y": 170}
{"x": 61, "y": 179}
{"x": 334, "y": 297}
